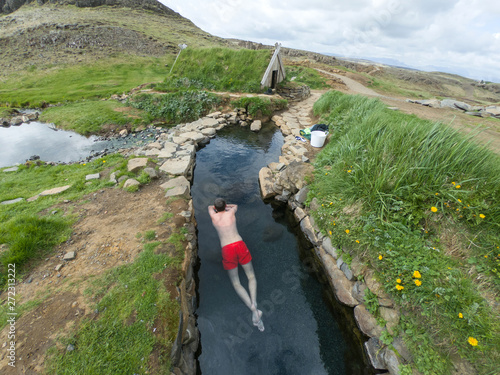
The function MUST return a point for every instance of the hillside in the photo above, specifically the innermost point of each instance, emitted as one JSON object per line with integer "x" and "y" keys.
{"x": 66, "y": 32}
{"x": 56, "y": 35}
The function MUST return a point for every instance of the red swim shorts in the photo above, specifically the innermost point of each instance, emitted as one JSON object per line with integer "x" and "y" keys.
{"x": 233, "y": 253}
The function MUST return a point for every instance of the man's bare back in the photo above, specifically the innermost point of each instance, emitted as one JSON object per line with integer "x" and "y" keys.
{"x": 225, "y": 224}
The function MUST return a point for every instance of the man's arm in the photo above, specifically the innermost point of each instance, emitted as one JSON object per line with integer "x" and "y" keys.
{"x": 232, "y": 207}
{"x": 211, "y": 210}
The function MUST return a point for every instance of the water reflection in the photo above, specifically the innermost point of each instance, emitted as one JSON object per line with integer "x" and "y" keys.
{"x": 19, "y": 143}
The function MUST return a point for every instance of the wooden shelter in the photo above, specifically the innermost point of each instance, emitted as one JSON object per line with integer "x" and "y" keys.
{"x": 275, "y": 72}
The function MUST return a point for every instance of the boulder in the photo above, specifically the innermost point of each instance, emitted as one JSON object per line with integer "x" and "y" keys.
{"x": 178, "y": 186}
{"x": 131, "y": 182}
{"x": 299, "y": 214}
{"x": 256, "y": 126}
{"x": 327, "y": 245}
{"x": 194, "y": 136}
{"x": 12, "y": 201}
{"x": 391, "y": 316}
{"x": 94, "y": 176}
{"x": 306, "y": 225}
{"x": 266, "y": 183}
{"x": 151, "y": 172}
{"x": 367, "y": 322}
{"x": 123, "y": 133}
{"x": 391, "y": 361}
{"x": 134, "y": 165}
{"x": 54, "y": 191}
{"x": 374, "y": 286}
{"x": 178, "y": 166}
{"x": 375, "y": 353}
{"x": 342, "y": 287}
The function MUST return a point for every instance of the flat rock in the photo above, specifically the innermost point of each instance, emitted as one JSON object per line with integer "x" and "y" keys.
{"x": 177, "y": 186}
{"x": 11, "y": 169}
{"x": 12, "y": 201}
{"x": 94, "y": 176}
{"x": 367, "y": 323}
{"x": 151, "y": 172}
{"x": 194, "y": 136}
{"x": 266, "y": 183}
{"x": 210, "y": 122}
{"x": 54, "y": 191}
{"x": 375, "y": 353}
{"x": 131, "y": 182}
{"x": 136, "y": 164}
{"x": 256, "y": 126}
{"x": 178, "y": 166}
{"x": 69, "y": 255}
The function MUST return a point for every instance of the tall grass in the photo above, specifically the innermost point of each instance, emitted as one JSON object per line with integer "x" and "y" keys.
{"x": 398, "y": 192}
{"x": 221, "y": 69}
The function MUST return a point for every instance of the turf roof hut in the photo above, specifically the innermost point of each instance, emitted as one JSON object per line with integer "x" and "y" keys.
{"x": 275, "y": 72}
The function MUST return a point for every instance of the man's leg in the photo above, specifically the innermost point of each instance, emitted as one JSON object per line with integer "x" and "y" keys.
{"x": 250, "y": 302}
{"x": 235, "y": 280}
{"x": 252, "y": 286}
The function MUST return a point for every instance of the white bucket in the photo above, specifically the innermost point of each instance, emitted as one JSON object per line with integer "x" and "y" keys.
{"x": 318, "y": 138}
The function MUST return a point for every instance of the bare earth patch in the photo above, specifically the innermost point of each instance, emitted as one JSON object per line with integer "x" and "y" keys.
{"x": 104, "y": 236}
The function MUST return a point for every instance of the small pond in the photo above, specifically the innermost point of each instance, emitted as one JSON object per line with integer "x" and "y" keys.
{"x": 20, "y": 143}
{"x": 306, "y": 330}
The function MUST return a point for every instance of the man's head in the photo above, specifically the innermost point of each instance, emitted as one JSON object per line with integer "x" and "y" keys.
{"x": 220, "y": 204}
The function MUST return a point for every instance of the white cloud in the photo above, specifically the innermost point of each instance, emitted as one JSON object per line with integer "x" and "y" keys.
{"x": 458, "y": 35}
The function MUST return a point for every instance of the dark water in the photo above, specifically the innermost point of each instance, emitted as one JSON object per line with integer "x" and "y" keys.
{"x": 302, "y": 333}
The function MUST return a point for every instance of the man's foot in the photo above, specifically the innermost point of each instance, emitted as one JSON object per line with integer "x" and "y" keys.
{"x": 257, "y": 320}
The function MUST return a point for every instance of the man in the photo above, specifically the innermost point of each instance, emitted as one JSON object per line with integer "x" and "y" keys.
{"x": 235, "y": 251}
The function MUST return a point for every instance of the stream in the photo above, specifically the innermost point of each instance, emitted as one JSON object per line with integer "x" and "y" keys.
{"x": 306, "y": 330}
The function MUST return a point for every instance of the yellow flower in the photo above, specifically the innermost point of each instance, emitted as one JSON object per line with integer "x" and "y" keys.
{"x": 398, "y": 281}
{"x": 326, "y": 174}
{"x": 482, "y": 216}
{"x": 472, "y": 341}
{"x": 457, "y": 187}
{"x": 486, "y": 256}
{"x": 453, "y": 183}
{"x": 380, "y": 257}
{"x": 434, "y": 209}
{"x": 330, "y": 232}
{"x": 347, "y": 231}
{"x": 460, "y": 200}
{"x": 84, "y": 164}
{"x": 437, "y": 193}
{"x": 417, "y": 282}
{"x": 357, "y": 241}
{"x": 460, "y": 315}
{"x": 399, "y": 287}
{"x": 417, "y": 275}
{"x": 349, "y": 171}
{"x": 104, "y": 161}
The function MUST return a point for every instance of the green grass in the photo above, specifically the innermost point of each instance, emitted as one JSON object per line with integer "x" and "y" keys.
{"x": 404, "y": 194}
{"x": 306, "y": 76}
{"x": 100, "y": 79}
{"x": 394, "y": 87}
{"x": 89, "y": 117}
{"x": 174, "y": 108}
{"x": 220, "y": 69}
{"x": 135, "y": 316}
{"x": 257, "y": 105}
{"x": 28, "y": 231}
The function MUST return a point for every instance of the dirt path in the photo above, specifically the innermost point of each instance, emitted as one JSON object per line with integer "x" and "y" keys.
{"x": 487, "y": 130}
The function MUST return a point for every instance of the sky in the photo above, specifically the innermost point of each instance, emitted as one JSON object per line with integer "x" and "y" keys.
{"x": 454, "y": 36}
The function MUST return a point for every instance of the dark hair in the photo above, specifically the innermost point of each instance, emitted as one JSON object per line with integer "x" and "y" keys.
{"x": 220, "y": 204}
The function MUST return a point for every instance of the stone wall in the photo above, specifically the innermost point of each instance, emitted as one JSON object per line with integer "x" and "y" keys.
{"x": 295, "y": 94}
{"x": 285, "y": 181}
